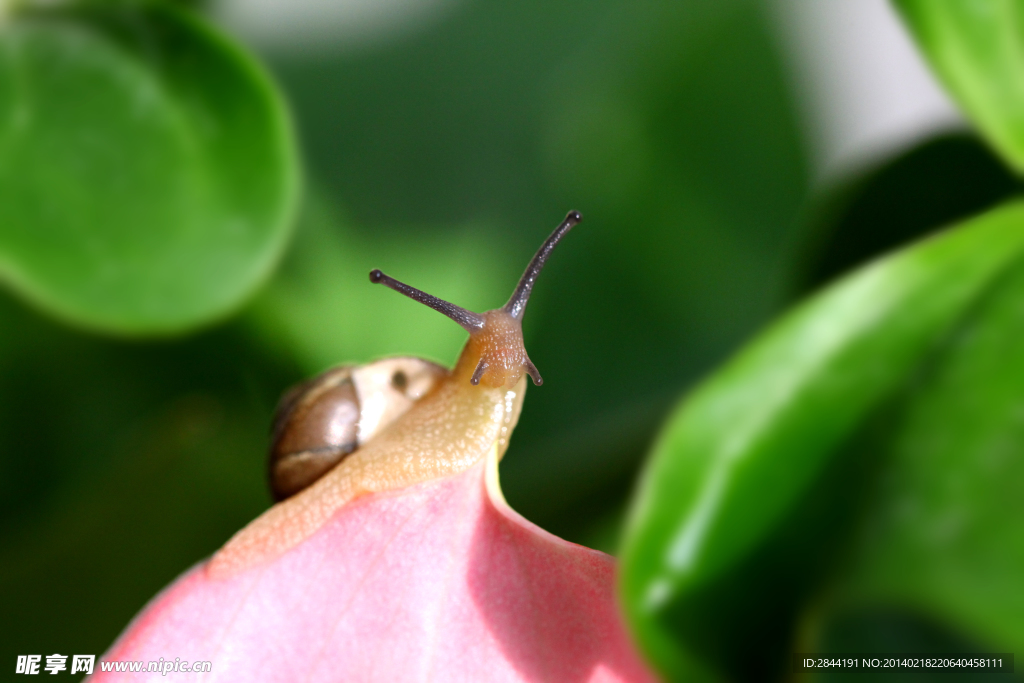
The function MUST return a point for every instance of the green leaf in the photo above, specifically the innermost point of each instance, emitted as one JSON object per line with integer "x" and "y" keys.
{"x": 743, "y": 449}
{"x": 148, "y": 171}
{"x": 942, "y": 535}
{"x": 977, "y": 49}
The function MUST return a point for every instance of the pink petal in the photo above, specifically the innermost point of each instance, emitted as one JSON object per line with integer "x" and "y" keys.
{"x": 440, "y": 581}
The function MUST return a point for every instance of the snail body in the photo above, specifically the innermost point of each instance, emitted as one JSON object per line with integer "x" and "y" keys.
{"x": 320, "y": 461}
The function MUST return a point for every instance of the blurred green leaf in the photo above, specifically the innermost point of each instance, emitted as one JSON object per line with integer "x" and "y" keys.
{"x": 943, "y": 533}
{"x": 148, "y": 172}
{"x": 977, "y": 48}
{"x": 744, "y": 448}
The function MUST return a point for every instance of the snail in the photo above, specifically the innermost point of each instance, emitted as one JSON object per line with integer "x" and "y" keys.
{"x": 320, "y": 423}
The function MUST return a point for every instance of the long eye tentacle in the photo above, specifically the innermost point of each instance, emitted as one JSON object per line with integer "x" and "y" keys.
{"x": 517, "y": 304}
{"x": 470, "y": 321}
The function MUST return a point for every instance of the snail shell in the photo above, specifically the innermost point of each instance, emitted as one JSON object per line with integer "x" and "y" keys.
{"x": 319, "y": 422}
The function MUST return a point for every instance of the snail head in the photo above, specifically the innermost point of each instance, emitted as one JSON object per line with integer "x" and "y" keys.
{"x": 494, "y": 355}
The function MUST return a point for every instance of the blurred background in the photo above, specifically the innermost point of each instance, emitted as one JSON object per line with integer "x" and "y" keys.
{"x": 728, "y": 157}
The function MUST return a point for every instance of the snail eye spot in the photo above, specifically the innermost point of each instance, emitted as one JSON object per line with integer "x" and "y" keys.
{"x": 400, "y": 380}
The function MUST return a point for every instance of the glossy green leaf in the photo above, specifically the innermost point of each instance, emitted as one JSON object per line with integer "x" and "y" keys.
{"x": 148, "y": 172}
{"x": 977, "y": 49}
{"x": 741, "y": 451}
{"x": 943, "y": 533}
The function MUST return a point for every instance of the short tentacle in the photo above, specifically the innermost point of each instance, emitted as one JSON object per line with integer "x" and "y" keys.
{"x": 481, "y": 368}
{"x": 532, "y": 371}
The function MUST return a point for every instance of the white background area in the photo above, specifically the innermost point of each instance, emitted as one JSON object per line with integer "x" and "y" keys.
{"x": 863, "y": 88}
